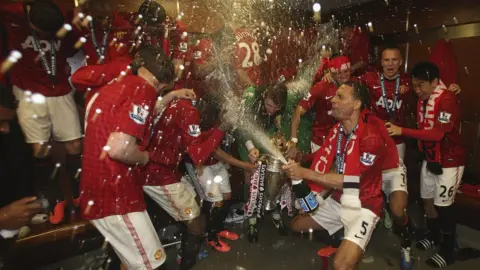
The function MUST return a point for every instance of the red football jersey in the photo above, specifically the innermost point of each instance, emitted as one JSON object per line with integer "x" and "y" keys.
{"x": 391, "y": 160}
{"x": 109, "y": 187}
{"x": 211, "y": 160}
{"x": 319, "y": 97}
{"x": 378, "y": 106}
{"x": 180, "y": 39}
{"x": 357, "y": 48}
{"x": 448, "y": 120}
{"x": 29, "y": 73}
{"x": 372, "y": 144}
{"x": 247, "y": 55}
{"x": 281, "y": 61}
{"x": 120, "y": 30}
{"x": 202, "y": 51}
{"x": 177, "y": 132}
{"x": 90, "y": 79}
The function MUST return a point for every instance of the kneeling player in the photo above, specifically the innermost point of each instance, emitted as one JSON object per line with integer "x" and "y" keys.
{"x": 354, "y": 150}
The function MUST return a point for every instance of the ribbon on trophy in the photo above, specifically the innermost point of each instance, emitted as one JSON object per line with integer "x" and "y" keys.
{"x": 286, "y": 199}
{"x": 256, "y": 191}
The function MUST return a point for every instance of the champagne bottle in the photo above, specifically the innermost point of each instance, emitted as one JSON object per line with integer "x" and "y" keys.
{"x": 305, "y": 196}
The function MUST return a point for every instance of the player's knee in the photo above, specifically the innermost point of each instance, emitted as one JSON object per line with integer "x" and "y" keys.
{"x": 74, "y": 147}
{"x": 196, "y": 226}
{"x": 398, "y": 207}
{"x": 429, "y": 208}
{"x": 41, "y": 150}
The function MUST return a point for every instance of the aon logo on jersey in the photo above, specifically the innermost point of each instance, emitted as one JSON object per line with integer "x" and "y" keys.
{"x": 44, "y": 44}
{"x": 381, "y": 103}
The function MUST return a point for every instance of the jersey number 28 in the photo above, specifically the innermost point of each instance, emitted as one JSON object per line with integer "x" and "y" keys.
{"x": 257, "y": 59}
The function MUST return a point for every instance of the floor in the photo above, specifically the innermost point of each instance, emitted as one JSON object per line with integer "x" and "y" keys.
{"x": 274, "y": 252}
{"x": 292, "y": 252}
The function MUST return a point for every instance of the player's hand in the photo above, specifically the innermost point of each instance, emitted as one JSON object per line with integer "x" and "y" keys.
{"x": 328, "y": 77}
{"x": 184, "y": 94}
{"x": 403, "y": 89}
{"x": 455, "y": 88}
{"x": 294, "y": 170}
{"x": 253, "y": 155}
{"x": 19, "y": 213}
{"x": 199, "y": 170}
{"x": 250, "y": 167}
{"x": 291, "y": 150}
{"x": 393, "y": 130}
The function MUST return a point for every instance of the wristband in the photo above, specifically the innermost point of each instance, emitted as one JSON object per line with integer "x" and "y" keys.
{"x": 249, "y": 145}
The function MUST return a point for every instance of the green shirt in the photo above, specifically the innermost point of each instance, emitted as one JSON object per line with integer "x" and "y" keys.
{"x": 253, "y": 102}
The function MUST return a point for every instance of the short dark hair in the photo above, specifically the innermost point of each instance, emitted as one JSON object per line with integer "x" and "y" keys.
{"x": 426, "y": 71}
{"x": 46, "y": 15}
{"x": 154, "y": 60}
{"x": 153, "y": 13}
{"x": 390, "y": 47}
{"x": 360, "y": 92}
{"x": 278, "y": 93}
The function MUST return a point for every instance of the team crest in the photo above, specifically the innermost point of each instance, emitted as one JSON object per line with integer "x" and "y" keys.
{"x": 194, "y": 130}
{"x": 210, "y": 195}
{"x": 139, "y": 115}
{"x": 367, "y": 159}
{"x": 197, "y": 54}
{"x": 444, "y": 117}
{"x": 159, "y": 255}
{"x": 281, "y": 79}
{"x": 188, "y": 211}
{"x": 183, "y": 46}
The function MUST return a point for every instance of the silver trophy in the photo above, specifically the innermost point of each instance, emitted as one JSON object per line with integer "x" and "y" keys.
{"x": 274, "y": 182}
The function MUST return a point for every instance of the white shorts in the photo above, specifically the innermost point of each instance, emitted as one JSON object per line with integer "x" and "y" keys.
{"x": 178, "y": 199}
{"x": 133, "y": 238}
{"x": 57, "y": 115}
{"x": 395, "y": 180}
{"x": 215, "y": 181}
{"x": 440, "y": 188}
{"x": 401, "y": 151}
{"x": 314, "y": 147}
{"x": 358, "y": 223}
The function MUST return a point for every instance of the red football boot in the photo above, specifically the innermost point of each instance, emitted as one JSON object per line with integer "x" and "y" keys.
{"x": 58, "y": 214}
{"x": 228, "y": 235}
{"x": 218, "y": 245}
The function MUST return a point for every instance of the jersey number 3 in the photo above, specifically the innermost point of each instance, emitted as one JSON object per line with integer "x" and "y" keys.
{"x": 257, "y": 59}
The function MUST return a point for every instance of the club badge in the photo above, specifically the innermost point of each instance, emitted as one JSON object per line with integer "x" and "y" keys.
{"x": 367, "y": 159}
{"x": 139, "y": 115}
{"x": 194, "y": 130}
{"x": 444, "y": 117}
